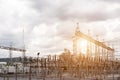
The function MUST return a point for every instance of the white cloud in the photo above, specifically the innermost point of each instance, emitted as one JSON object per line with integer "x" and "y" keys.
{"x": 49, "y": 26}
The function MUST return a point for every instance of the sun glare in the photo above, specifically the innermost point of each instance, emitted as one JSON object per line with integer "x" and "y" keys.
{"x": 82, "y": 45}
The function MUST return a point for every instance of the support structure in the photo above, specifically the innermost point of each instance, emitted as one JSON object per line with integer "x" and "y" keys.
{"x": 13, "y": 49}
{"x": 99, "y": 46}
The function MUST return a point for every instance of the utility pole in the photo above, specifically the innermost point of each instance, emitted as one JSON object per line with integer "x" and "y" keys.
{"x": 10, "y": 55}
{"x": 16, "y": 72}
{"x": 38, "y": 58}
{"x": 38, "y": 61}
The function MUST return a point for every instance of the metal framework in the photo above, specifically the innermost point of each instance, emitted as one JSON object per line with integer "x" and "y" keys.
{"x": 99, "y": 46}
{"x": 13, "y": 49}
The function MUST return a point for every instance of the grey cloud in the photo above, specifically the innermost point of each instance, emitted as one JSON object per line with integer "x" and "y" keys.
{"x": 117, "y": 29}
{"x": 41, "y": 4}
{"x": 67, "y": 13}
{"x": 64, "y": 11}
{"x": 100, "y": 31}
{"x": 15, "y": 40}
{"x": 94, "y": 16}
{"x": 111, "y": 1}
{"x": 12, "y": 23}
{"x": 65, "y": 30}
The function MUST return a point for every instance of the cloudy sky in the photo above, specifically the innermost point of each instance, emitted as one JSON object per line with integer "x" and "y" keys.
{"x": 48, "y": 26}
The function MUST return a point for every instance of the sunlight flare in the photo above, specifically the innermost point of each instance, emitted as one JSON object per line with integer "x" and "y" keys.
{"x": 82, "y": 45}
